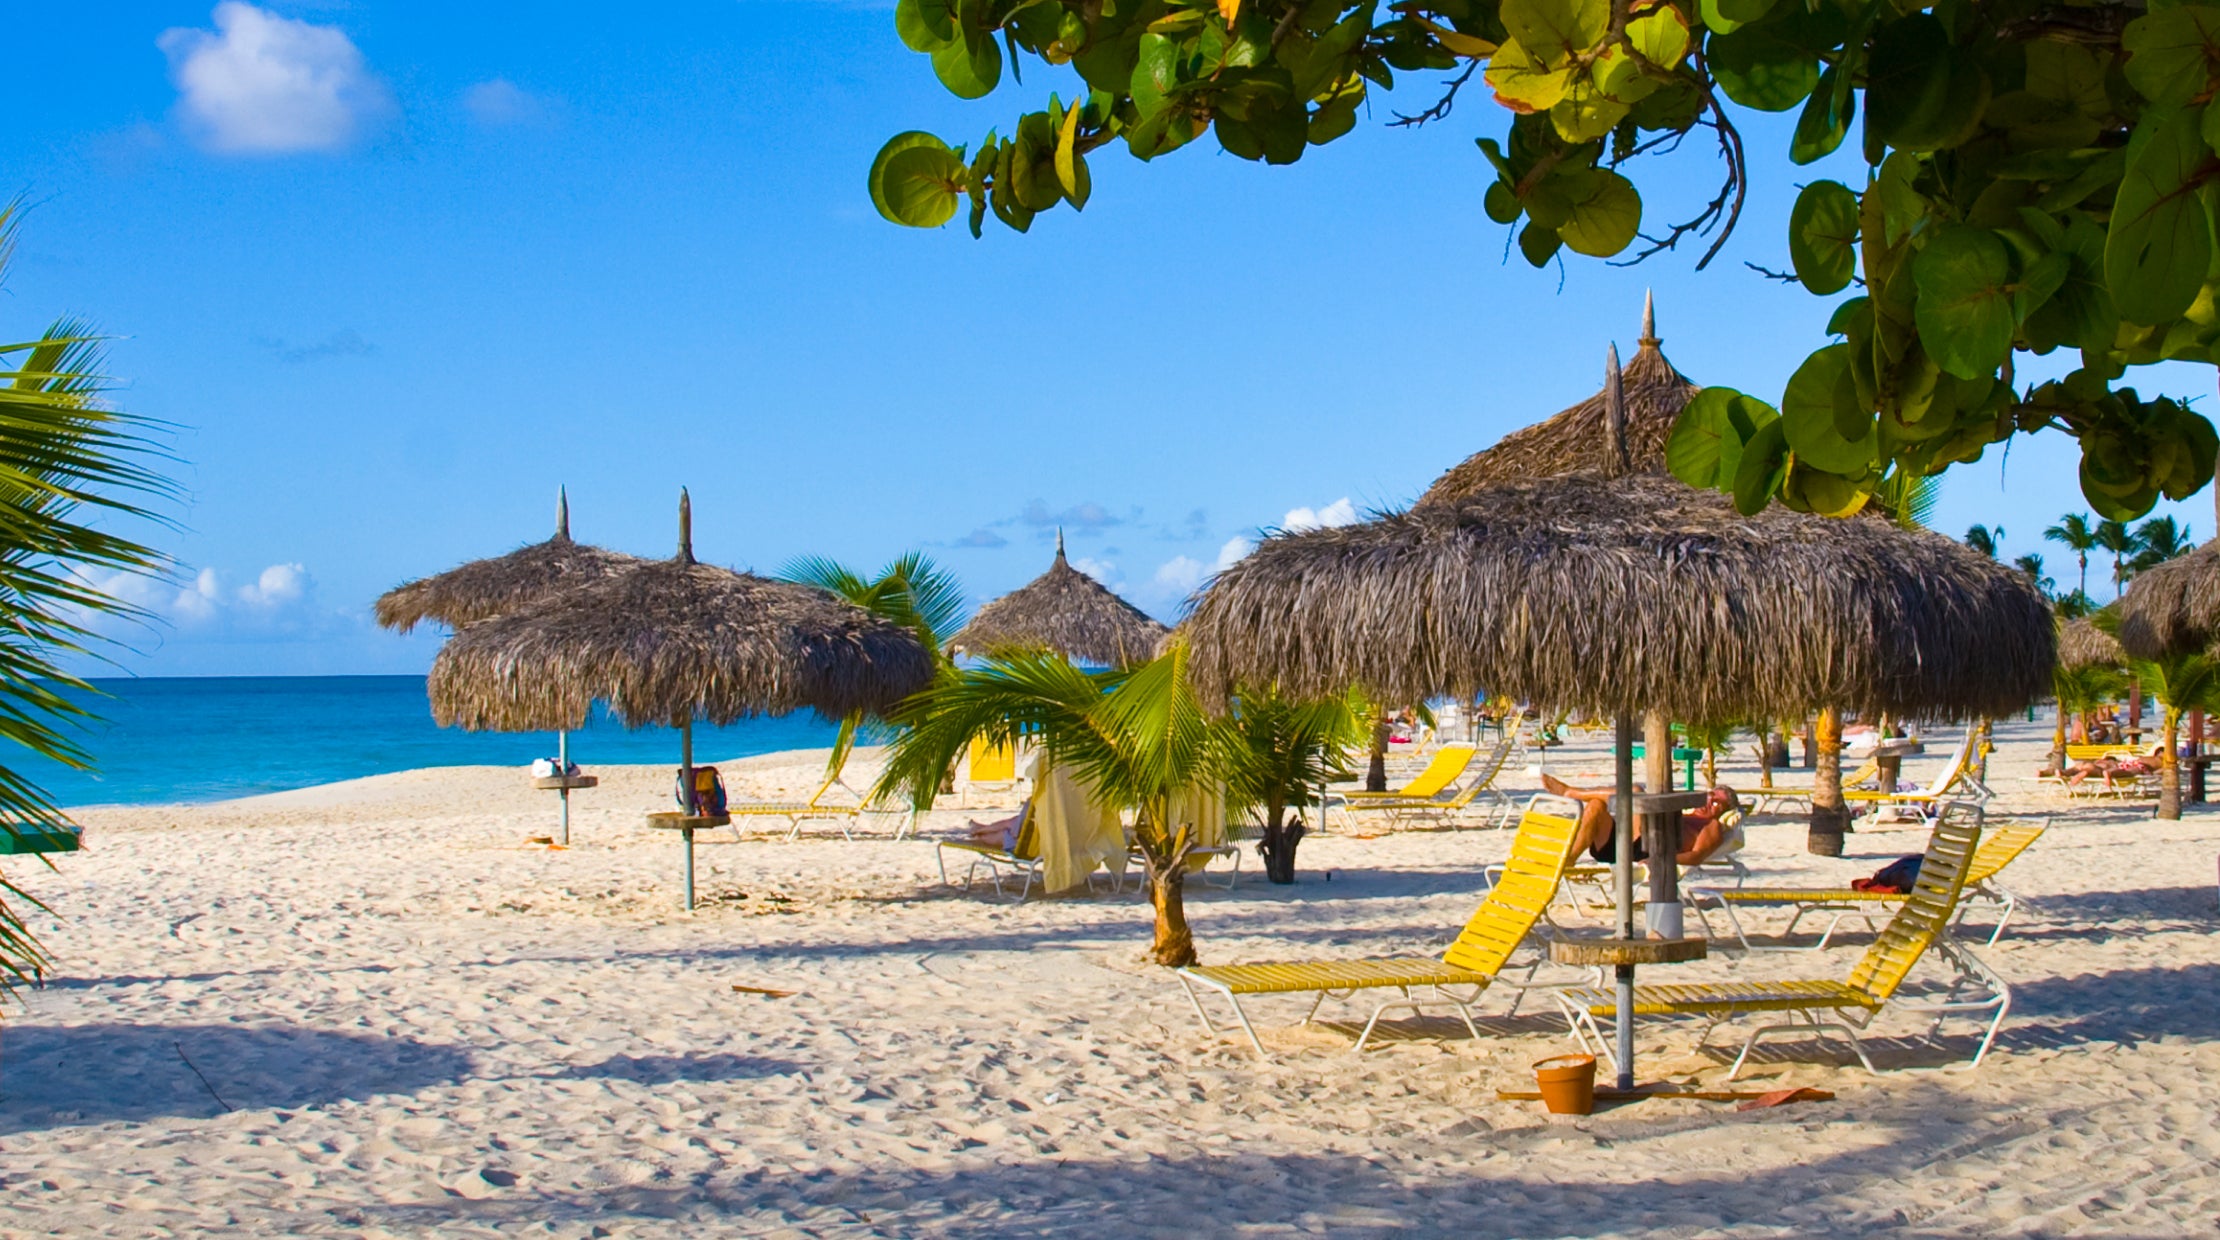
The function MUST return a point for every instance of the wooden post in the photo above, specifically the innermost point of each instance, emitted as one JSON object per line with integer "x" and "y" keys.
{"x": 1661, "y": 832}
{"x": 1622, "y": 886}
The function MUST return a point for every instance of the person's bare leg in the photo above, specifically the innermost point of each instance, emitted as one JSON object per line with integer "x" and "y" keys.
{"x": 1695, "y": 848}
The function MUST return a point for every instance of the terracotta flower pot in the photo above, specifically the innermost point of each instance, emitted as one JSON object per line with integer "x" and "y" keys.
{"x": 1567, "y": 1084}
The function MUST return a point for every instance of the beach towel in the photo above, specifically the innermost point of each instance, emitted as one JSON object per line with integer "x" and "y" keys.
{"x": 1895, "y": 878}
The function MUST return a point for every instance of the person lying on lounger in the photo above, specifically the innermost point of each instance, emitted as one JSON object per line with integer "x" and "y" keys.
{"x": 2112, "y": 770}
{"x": 1701, "y": 831}
{"x": 1000, "y": 833}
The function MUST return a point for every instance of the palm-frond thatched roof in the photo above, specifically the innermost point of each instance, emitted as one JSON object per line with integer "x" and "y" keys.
{"x": 2173, "y": 607}
{"x": 1621, "y": 595}
{"x": 670, "y": 641}
{"x": 2082, "y": 644}
{"x": 1567, "y": 442}
{"x": 1063, "y": 610}
{"x": 483, "y": 589}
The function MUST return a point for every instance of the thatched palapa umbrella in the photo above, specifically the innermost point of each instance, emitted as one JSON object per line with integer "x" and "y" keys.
{"x": 483, "y": 589}
{"x": 2083, "y": 644}
{"x": 1620, "y": 592}
{"x": 2173, "y": 607}
{"x": 1066, "y": 611}
{"x": 671, "y": 641}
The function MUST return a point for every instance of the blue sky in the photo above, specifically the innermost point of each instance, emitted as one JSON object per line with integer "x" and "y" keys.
{"x": 395, "y": 272}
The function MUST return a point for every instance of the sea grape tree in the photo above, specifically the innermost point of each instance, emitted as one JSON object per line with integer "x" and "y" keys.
{"x": 2038, "y": 176}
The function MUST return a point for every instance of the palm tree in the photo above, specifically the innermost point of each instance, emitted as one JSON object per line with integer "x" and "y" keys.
{"x": 2032, "y": 565}
{"x": 2080, "y": 691}
{"x": 2158, "y": 540}
{"x": 1908, "y": 499}
{"x": 2115, "y": 538}
{"x": 1984, "y": 539}
{"x": 2075, "y": 605}
{"x": 1282, "y": 751}
{"x": 1134, "y": 736}
{"x": 2074, "y": 531}
{"x": 912, "y": 592}
{"x": 2181, "y": 683}
{"x": 68, "y": 464}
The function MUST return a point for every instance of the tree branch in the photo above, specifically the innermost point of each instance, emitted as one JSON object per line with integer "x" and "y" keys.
{"x": 1442, "y": 105}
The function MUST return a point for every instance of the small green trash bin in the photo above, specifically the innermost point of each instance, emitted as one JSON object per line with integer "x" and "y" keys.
{"x": 17, "y": 838}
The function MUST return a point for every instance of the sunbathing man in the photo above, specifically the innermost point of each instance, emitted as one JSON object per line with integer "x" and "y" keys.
{"x": 2112, "y": 769}
{"x": 1701, "y": 831}
{"x": 1000, "y": 833}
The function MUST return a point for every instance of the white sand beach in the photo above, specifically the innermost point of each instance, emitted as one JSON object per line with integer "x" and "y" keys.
{"x": 371, "y": 1010}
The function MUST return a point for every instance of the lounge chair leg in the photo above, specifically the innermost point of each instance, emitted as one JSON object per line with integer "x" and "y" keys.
{"x": 1315, "y": 1004}
{"x": 1248, "y": 1028}
{"x": 1196, "y": 1001}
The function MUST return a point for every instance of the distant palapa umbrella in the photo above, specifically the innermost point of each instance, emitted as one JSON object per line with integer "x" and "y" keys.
{"x": 2173, "y": 607}
{"x": 1066, "y": 611}
{"x": 672, "y": 641}
{"x": 2083, "y": 644}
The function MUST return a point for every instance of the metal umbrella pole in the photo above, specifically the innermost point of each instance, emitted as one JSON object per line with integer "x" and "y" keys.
{"x": 1622, "y": 885}
{"x": 562, "y": 772}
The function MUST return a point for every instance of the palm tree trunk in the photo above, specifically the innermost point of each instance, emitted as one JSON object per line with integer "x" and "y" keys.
{"x": 2169, "y": 764}
{"x": 1830, "y": 817}
{"x": 1281, "y": 835}
{"x": 2058, "y": 741}
{"x": 1375, "y": 775}
{"x": 1164, "y": 851}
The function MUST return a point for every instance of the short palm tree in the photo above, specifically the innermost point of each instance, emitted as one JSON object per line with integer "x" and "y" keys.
{"x": 1281, "y": 751}
{"x": 1984, "y": 539}
{"x": 2181, "y": 683}
{"x": 2118, "y": 541}
{"x": 69, "y": 464}
{"x": 2080, "y": 691}
{"x": 912, "y": 592}
{"x": 1135, "y": 737}
{"x": 2032, "y": 565}
{"x": 2074, "y": 530}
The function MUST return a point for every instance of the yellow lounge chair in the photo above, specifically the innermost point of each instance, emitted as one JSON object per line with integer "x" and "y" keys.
{"x": 1022, "y": 861}
{"x": 1475, "y": 959}
{"x": 2142, "y": 785}
{"x": 1955, "y": 782}
{"x": 1817, "y": 1007}
{"x": 817, "y": 808}
{"x": 1445, "y": 804}
{"x": 1448, "y": 765}
{"x": 2000, "y": 845}
{"x": 1765, "y": 800}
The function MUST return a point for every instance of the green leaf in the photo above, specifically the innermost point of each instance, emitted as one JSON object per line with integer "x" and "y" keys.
{"x": 1809, "y": 489}
{"x": 1661, "y": 35}
{"x": 1705, "y": 448}
{"x": 925, "y": 25}
{"x": 1907, "y": 77}
{"x": 1522, "y": 83}
{"x": 1823, "y": 236}
{"x": 1902, "y": 205}
{"x": 2116, "y": 507}
{"x": 1742, "y": 12}
{"x": 916, "y": 180}
{"x": 1586, "y": 113}
{"x": 2159, "y": 247}
{"x": 1554, "y": 31}
{"x": 1501, "y": 204}
{"x": 2173, "y": 54}
{"x": 1071, "y": 167}
{"x": 969, "y": 67}
{"x": 1538, "y": 245}
{"x": 1762, "y": 67}
{"x": 1964, "y": 311}
{"x": 1764, "y": 463}
{"x": 1824, "y": 121}
{"x": 1808, "y": 414}
{"x": 1155, "y": 74}
{"x": 1606, "y": 213}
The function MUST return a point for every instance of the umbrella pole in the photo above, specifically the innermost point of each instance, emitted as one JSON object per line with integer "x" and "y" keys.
{"x": 688, "y": 802}
{"x": 1622, "y": 886}
{"x": 562, "y": 771}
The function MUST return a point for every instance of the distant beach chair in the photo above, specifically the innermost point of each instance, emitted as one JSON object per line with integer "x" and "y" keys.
{"x": 2132, "y": 785}
{"x": 1021, "y": 862}
{"x": 1766, "y": 800}
{"x": 1476, "y": 959}
{"x": 1955, "y": 782}
{"x": 1063, "y": 838}
{"x": 990, "y": 768}
{"x": 1446, "y": 801}
{"x": 2001, "y": 844}
{"x": 1819, "y": 1007}
{"x": 819, "y": 809}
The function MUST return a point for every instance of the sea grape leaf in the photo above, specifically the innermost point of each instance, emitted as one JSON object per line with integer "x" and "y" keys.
{"x": 1554, "y": 31}
{"x": 2173, "y": 54}
{"x": 1606, "y": 213}
{"x": 916, "y": 180}
{"x": 1908, "y": 77}
{"x": 1071, "y": 166}
{"x": 1661, "y": 35}
{"x": 969, "y": 67}
{"x": 1155, "y": 73}
{"x": 1964, "y": 311}
{"x": 1823, "y": 236}
{"x": 925, "y": 25}
{"x": 1742, "y": 12}
{"x": 1761, "y": 67}
{"x": 1538, "y": 245}
{"x": 1825, "y": 119}
{"x": 1764, "y": 462}
{"x": 1586, "y": 113}
{"x": 1808, "y": 414}
{"x": 1523, "y": 83}
{"x": 2160, "y": 244}
{"x": 1809, "y": 489}
{"x": 1705, "y": 448}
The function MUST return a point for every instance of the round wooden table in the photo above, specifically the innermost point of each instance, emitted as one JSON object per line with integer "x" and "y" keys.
{"x": 686, "y": 825}
{"x": 564, "y": 784}
{"x": 1590, "y": 953}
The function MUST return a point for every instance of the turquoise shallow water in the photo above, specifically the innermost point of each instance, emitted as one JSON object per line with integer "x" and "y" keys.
{"x": 210, "y": 738}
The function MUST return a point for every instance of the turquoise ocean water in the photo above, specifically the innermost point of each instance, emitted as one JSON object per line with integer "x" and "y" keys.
{"x": 209, "y": 738}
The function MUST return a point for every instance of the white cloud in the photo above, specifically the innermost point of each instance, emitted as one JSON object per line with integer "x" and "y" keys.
{"x": 1101, "y": 570}
{"x": 1340, "y": 512}
{"x": 278, "y": 585}
{"x": 1178, "y": 576}
{"x": 261, "y": 84}
{"x": 499, "y": 101}
{"x": 1232, "y": 553}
